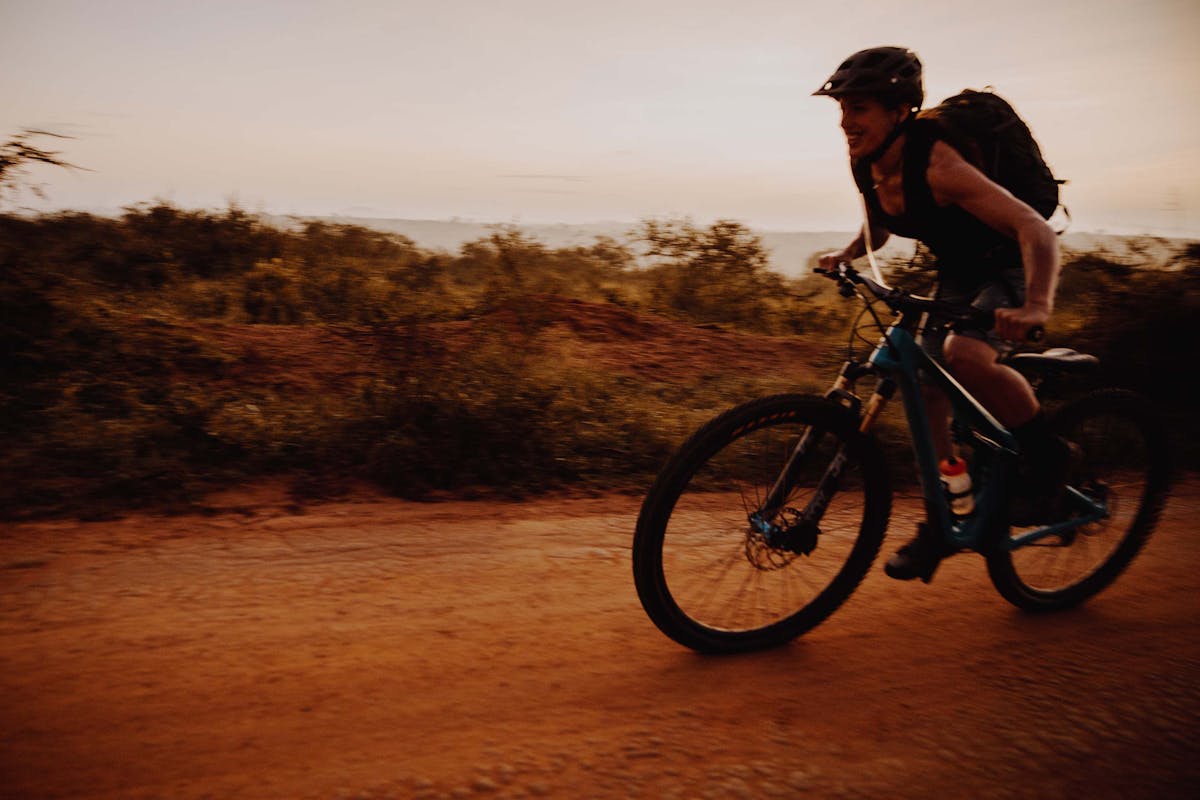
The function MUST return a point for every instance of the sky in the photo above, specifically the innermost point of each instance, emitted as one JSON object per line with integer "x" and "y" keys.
{"x": 543, "y": 111}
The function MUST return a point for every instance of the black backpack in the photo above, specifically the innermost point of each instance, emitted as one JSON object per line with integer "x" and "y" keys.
{"x": 986, "y": 130}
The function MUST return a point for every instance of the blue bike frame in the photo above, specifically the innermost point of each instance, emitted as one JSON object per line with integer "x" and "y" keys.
{"x": 900, "y": 357}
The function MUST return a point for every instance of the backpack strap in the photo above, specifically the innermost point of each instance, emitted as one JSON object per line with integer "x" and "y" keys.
{"x": 861, "y": 170}
{"x": 918, "y": 196}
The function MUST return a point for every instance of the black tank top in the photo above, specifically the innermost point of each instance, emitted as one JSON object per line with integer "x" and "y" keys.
{"x": 969, "y": 252}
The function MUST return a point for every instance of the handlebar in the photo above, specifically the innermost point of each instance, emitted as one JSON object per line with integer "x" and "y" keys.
{"x": 960, "y": 317}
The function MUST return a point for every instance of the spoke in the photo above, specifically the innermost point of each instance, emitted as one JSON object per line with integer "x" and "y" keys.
{"x": 721, "y": 574}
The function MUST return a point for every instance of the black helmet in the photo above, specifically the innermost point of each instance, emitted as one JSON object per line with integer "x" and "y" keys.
{"x": 892, "y": 73}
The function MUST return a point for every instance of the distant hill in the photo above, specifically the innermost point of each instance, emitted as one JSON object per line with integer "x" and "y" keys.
{"x": 790, "y": 251}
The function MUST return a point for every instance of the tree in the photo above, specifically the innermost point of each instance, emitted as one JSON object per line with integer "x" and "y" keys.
{"x": 718, "y": 274}
{"x": 18, "y": 154}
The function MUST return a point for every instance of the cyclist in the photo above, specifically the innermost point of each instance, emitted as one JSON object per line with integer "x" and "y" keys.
{"x": 992, "y": 251}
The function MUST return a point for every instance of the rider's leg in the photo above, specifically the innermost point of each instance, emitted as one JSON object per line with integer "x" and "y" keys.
{"x": 1045, "y": 458}
{"x": 1002, "y": 390}
{"x": 919, "y": 557}
{"x": 937, "y": 411}
{"x": 937, "y": 404}
{"x": 972, "y": 358}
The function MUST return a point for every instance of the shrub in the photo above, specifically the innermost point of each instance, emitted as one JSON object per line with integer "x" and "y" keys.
{"x": 115, "y": 387}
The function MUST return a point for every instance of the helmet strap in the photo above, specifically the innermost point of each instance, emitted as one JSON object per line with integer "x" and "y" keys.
{"x": 897, "y": 130}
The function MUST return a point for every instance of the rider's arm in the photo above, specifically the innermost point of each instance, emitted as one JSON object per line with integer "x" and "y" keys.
{"x": 954, "y": 181}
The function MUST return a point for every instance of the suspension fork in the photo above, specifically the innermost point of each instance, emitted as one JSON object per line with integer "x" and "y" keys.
{"x": 804, "y": 528}
{"x": 879, "y": 400}
{"x": 828, "y": 485}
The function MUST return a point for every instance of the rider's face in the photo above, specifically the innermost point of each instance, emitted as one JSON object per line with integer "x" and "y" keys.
{"x": 866, "y": 123}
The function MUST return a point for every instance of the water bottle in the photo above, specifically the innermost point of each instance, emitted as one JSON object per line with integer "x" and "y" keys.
{"x": 957, "y": 483}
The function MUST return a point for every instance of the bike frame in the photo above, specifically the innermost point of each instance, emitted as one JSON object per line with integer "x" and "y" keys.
{"x": 900, "y": 360}
{"x": 898, "y": 356}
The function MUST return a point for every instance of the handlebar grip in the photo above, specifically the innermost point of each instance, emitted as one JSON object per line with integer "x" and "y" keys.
{"x": 826, "y": 273}
{"x": 985, "y": 319}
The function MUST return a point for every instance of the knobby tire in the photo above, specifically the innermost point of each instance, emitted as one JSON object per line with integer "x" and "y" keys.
{"x": 706, "y": 577}
{"x": 1125, "y": 458}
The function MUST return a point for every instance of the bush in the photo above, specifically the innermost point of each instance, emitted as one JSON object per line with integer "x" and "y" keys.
{"x": 506, "y": 417}
{"x": 118, "y": 387}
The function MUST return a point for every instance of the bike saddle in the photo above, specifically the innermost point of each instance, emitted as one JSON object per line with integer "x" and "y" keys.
{"x": 1056, "y": 359}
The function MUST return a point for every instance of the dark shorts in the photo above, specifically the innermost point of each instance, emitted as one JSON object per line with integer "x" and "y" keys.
{"x": 1006, "y": 291}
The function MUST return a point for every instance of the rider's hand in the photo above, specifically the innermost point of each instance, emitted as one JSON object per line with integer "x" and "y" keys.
{"x": 1015, "y": 324}
{"x": 828, "y": 263}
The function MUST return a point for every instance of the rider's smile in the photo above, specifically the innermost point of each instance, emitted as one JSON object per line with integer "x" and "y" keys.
{"x": 866, "y": 123}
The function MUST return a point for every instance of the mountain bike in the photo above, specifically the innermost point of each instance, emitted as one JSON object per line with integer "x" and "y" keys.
{"x": 769, "y": 516}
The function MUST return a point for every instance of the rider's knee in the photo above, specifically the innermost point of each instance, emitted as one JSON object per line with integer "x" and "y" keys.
{"x": 966, "y": 357}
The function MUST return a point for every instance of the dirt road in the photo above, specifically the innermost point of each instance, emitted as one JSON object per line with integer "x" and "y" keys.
{"x": 372, "y": 648}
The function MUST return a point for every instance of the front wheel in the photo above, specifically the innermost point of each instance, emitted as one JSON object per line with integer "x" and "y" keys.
{"x": 721, "y": 568}
{"x": 1124, "y": 466}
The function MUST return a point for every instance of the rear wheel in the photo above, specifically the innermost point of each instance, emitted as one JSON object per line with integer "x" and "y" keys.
{"x": 713, "y": 576}
{"x": 1124, "y": 465}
